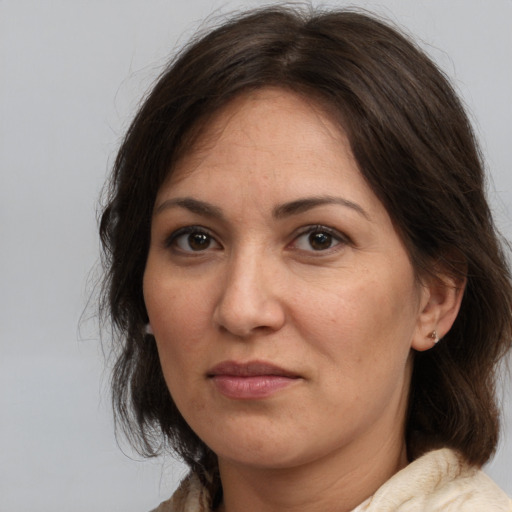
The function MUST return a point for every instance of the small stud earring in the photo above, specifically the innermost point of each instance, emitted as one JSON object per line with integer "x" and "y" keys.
{"x": 148, "y": 329}
{"x": 434, "y": 336}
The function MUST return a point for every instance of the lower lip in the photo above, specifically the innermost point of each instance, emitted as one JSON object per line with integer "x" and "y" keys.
{"x": 251, "y": 388}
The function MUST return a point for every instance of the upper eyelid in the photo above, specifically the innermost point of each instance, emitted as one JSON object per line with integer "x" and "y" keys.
{"x": 321, "y": 227}
{"x": 303, "y": 230}
{"x": 169, "y": 239}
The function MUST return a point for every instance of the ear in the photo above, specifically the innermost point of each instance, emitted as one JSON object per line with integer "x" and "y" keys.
{"x": 439, "y": 305}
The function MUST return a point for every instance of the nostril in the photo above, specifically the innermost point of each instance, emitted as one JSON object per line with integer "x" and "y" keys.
{"x": 245, "y": 318}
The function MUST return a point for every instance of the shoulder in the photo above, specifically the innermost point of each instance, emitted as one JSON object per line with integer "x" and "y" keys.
{"x": 191, "y": 496}
{"x": 440, "y": 480}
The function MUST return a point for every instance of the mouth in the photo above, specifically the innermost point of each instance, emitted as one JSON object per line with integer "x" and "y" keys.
{"x": 250, "y": 381}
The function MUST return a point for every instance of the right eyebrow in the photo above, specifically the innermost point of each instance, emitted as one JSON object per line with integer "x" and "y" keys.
{"x": 193, "y": 205}
{"x": 308, "y": 203}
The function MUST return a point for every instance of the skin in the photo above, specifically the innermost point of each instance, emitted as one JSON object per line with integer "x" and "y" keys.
{"x": 340, "y": 309}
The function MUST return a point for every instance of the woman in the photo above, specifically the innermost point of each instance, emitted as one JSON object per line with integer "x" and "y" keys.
{"x": 309, "y": 293}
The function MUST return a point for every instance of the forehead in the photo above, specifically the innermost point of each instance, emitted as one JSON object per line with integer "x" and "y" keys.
{"x": 263, "y": 124}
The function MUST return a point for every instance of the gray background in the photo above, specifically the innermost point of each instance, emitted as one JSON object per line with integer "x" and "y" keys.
{"x": 71, "y": 75}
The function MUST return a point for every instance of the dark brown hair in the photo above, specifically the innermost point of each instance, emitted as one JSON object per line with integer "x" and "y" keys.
{"x": 416, "y": 149}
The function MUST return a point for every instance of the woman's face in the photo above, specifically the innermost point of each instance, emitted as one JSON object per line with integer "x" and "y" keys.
{"x": 282, "y": 300}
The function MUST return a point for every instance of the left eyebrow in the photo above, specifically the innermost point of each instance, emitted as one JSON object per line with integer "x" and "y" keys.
{"x": 193, "y": 205}
{"x": 307, "y": 203}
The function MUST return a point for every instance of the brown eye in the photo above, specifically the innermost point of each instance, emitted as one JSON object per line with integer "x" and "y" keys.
{"x": 198, "y": 241}
{"x": 192, "y": 239}
{"x": 320, "y": 241}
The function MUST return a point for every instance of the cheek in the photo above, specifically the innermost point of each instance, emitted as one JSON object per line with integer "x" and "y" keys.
{"x": 362, "y": 334}
{"x": 179, "y": 330}
{"x": 179, "y": 326}
{"x": 362, "y": 321}
{"x": 178, "y": 315}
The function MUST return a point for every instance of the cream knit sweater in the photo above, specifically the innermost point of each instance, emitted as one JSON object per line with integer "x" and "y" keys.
{"x": 440, "y": 481}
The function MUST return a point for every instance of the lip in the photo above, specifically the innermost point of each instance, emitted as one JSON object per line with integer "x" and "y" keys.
{"x": 250, "y": 381}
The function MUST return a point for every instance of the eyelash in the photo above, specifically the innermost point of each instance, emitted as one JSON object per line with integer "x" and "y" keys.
{"x": 335, "y": 237}
{"x": 172, "y": 240}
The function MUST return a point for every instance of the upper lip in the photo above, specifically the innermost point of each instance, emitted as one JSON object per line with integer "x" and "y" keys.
{"x": 249, "y": 369}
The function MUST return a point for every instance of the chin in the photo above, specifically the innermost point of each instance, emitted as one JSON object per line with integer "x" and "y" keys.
{"x": 273, "y": 451}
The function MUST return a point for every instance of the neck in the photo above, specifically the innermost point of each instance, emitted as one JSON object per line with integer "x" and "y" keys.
{"x": 337, "y": 482}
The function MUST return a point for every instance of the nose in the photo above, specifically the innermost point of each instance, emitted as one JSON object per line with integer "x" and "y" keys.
{"x": 250, "y": 301}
